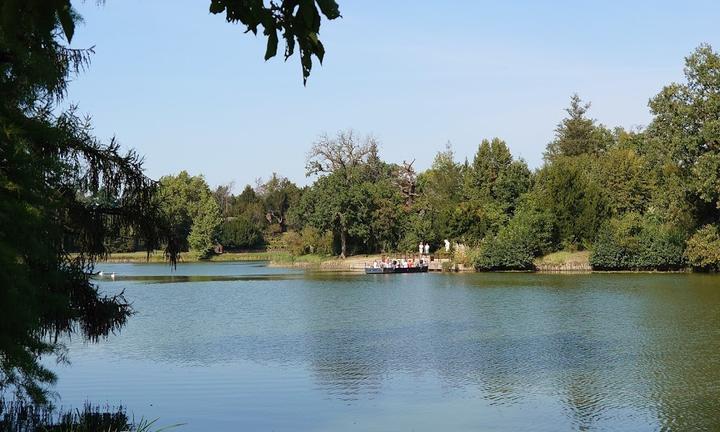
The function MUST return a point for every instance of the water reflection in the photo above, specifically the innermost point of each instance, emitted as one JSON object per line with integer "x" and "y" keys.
{"x": 585, "y": 352}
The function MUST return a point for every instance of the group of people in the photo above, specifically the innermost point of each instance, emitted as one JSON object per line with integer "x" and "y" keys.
{"x": 420, "y": 261}
{"x": 386, "y": 262}
{"x": 424, "y": 248}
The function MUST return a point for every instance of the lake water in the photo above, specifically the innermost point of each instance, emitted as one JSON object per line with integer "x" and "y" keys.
{"x": 229, "y": 347}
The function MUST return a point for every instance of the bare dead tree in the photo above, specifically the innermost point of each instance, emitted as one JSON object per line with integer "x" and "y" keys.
{"x": 407, "y": 181}
{"x": 346, "y": 150}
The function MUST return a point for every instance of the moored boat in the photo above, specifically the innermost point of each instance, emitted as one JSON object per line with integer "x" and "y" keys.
{"x": 392, "y": 270}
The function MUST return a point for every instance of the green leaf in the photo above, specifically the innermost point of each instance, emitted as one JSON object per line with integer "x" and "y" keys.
{"x": 306, "y": 61}
{"x": 313, "y": 37}
{"x": 272, "y": 45}
{"x": 64, "y": 13}
{"x": 307, "y": 10}
{"x": 290, "y": 46}
{"x": 320, "y": 51}
{"x": 216, "y": 7}
{"x": 329, "y": 8}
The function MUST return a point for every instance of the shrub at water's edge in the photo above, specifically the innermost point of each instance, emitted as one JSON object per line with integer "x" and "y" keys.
{"x": 240, "y": 233}
{"x": 703, "y": 249}
{"x": 635, "y": 242}
{"x": 527, "y": 235}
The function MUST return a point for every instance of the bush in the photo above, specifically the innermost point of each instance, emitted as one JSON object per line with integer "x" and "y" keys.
{"x": 241, "y": 233}
{"x": 461, "y": 255}
{"x": 308, "y": 241}
{"x": 661, "y": 247}
{"x": 506, "y": 251}
{"x": 528, "y": 234}
{"x": 274, "y": 229}
{"x": 293, "y": 243}
{"x": 616, "y": 246}
{"x": 317, "y": 242}
{"x": 636, "y": 242}
{"x": 703, "y": 249}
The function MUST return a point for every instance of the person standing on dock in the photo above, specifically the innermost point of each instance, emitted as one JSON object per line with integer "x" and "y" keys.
{"x": 427, "y": 249}
{"x": 420, "y": 248}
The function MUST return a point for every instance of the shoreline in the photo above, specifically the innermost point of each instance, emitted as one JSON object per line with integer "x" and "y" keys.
{"x": 556, "y": 263}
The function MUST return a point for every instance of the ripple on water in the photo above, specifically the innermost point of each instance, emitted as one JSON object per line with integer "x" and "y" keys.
{"x": 266, "y": 350}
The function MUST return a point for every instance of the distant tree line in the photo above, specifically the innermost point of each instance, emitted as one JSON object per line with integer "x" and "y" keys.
{"x": 639, "y": 199}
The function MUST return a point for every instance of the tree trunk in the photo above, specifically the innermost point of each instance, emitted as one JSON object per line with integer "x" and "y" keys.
{"x": 343, "y": 243}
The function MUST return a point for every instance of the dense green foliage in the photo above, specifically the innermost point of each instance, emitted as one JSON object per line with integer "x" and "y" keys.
{"x": 355, "y": 196}
{"x": 309, "y": 240}
{"x": 506, "y": 251}
{"x": 528, "y": 234}
{"x": 635, "y": 242}
{"x": 636, "y": 199}
{"x": 298, "y": 22}
{"x": 577, "y": 134}
{"x": 62, "y": 191}
{"x": 193, "y": 213}
{"x": 240, "y": 233}
{"x": 703, "y": 248}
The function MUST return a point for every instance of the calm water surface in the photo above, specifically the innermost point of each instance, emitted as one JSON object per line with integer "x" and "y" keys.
{"x": 229, "y": 347}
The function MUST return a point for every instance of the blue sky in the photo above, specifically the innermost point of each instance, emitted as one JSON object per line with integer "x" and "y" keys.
{"x": 189, "y": 91}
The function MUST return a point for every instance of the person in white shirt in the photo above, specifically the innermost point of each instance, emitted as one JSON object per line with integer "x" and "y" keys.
{"x": 427, "y": 249}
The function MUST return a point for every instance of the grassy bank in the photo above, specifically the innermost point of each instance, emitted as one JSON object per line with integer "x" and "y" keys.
{"x": 136, "y": 257}
{"x": 564, "y": 261}
{"x": 274, "y": 257}
{"x": 564, "y": 257}
{"x": 281, "y": 259}
{"x": 556, "y": 262}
